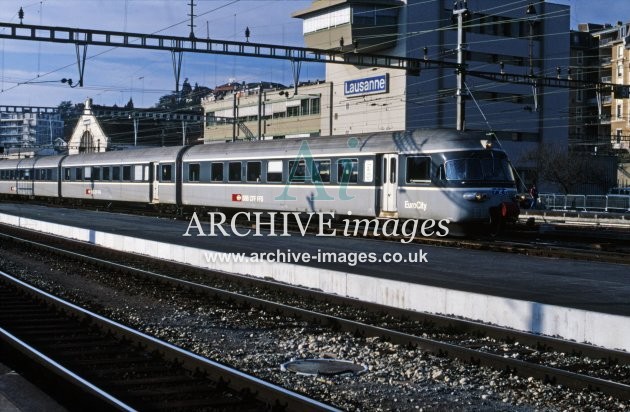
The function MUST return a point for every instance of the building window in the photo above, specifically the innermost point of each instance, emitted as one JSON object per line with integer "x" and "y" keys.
{"x": 315, "y": 104}
{"x": 618, "y": 111}
{"x": 579, "y": 57}
{"x": 619, "y": 70}
{"x": 619, "y": 131}
{"x": 293, "y": 111}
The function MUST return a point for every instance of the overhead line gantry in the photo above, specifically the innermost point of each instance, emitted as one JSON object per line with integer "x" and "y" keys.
{"x": 81, "y": 38}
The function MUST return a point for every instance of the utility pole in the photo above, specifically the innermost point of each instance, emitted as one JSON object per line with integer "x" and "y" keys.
{"x": 192, "y": 16}
{"x": 460, "y": 10}
{"x": 260, "y": 100}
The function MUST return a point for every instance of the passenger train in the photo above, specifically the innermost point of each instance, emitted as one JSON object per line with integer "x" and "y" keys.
{"x": 423, "y": 174}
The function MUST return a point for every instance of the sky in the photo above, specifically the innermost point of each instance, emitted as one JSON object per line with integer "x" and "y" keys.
{"x": 30, "y": 72}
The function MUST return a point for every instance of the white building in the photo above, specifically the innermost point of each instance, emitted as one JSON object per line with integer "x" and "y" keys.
{"x": 28, "y": 127}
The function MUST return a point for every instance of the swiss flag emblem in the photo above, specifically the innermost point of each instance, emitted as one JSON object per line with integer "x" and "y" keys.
{"x": 236, "y": 197}
{"x": 88, "y": 191}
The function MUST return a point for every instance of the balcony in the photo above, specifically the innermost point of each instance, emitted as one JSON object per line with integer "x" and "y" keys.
{"x": 606, "y": 61}
{"x": 607, "y": 79}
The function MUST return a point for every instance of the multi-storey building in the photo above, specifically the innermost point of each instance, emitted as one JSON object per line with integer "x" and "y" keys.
{"x": 521, "y": 37}
{"x": 28, "y": 127}
{"x": 614, "y": 51}
{"x": 584, "y": 113}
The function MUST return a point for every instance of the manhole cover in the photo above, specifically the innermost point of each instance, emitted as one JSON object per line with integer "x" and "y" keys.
{"x": 322, "y": 367}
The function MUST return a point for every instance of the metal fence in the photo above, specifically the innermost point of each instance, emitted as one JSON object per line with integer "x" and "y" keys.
{"x": 590, "y": 203}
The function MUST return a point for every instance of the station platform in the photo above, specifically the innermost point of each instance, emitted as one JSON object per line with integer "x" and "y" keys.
{"x": 19, "y": 395}
{"x": 585, "y": 301}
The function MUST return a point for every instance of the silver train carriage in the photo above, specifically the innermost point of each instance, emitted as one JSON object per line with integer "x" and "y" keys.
{"x": 424, "y": 174}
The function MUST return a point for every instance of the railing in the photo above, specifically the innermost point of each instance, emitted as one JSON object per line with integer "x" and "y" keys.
{"x": 584, "y": 203}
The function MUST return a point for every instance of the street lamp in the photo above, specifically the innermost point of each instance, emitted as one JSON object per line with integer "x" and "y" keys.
{"x": 532, "y": 19}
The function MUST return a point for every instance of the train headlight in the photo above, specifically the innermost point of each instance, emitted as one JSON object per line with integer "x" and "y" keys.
{"x": 475, "y": 196}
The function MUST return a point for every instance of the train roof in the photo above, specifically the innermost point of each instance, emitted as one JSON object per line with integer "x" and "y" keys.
{"x": 417, "y": 141}
{"x": 48, "y": 161}
{"x": 130, "y": 156}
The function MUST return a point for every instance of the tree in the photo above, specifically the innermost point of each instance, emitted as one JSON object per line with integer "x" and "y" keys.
{"x": 70, "y": 115}
{"x": 567, "y": 169}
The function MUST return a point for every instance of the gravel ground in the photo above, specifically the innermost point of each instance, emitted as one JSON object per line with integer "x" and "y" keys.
{"x": 398, "y": 378}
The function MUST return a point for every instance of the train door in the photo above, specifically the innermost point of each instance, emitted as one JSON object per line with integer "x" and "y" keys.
{"x": 24, "y": 182}
{"x": 154, "y": 183}
{"x": 390, "y": 184}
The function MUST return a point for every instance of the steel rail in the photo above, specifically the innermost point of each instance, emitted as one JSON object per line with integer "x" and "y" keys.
{"x": 273, "y": 395}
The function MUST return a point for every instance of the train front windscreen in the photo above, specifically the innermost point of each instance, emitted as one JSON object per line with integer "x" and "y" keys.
{"x": 487, "y": 166}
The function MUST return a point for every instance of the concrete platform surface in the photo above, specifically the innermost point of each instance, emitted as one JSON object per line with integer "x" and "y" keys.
{"x": 19, "y": 395}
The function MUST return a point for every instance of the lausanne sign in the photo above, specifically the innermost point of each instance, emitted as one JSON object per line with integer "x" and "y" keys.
{"x": 368, "y": 85}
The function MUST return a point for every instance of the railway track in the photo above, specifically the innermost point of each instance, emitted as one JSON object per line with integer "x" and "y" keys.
{"x": 92, "y": 362}
{"x": 550, "y": 360}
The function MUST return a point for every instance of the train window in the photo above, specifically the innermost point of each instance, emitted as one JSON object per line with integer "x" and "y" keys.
{"x": 274, "y": 171}
{"x": 116, "y": 173}
{"x": 96, "y": 173}
{"x": 347, "y": 170}
{"x": 216, "y": 171}
{"x": 106, "y": 170}
{"x": 463, "y": 169}
{"x": 126, "y": 173}
{"x": 88, "y": 173}
{"x": 138, "y": 173}
{"x": 297, "y": 171}
{"x": 253, "y": 171}
{"x": 321, "y": 171}
{"x": 66, "y": 173}
{"x": 166, "y": 175}
{"x": 234, "y": 171}
{"x": 193, "y": 172}
{"x": 78, "y": 173}
{"x": 368, "y": 171}
{"x": 392, "y": 170}
{"x": 418, "y": 169}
